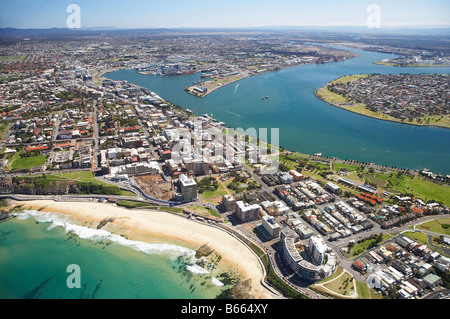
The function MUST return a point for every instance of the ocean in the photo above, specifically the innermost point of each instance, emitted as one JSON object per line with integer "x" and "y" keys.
{"x": 307, "y": 124}
{"x": 37, "y": 248}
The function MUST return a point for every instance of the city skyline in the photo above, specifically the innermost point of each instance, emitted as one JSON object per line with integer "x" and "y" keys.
{"x": 232, "y": 14}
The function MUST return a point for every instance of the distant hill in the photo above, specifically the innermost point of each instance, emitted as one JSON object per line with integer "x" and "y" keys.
{"x": 386, "y": 30}
{"x": 66, "y": 32}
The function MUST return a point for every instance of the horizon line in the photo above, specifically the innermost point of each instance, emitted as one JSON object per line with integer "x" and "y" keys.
{"x": 428, "y": 25}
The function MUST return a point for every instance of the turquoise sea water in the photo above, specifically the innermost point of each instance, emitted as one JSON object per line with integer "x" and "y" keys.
{"x": 306, "y": 123}
{"x": 36, "y": 249}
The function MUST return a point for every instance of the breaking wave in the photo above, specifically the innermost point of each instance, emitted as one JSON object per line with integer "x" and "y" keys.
{"x": 196, "y": 269}
{"x": 216, "y": 282}
{"x": 66, "y": 222}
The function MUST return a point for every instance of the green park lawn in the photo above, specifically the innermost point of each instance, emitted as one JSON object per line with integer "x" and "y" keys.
{"x": 132, "y": 204}
{"x": 219, "y": 192}
{"x": 201, "y": 210}
{"x": 339, "y": 285}
{"x": 350, "y": 78}
{"x": 338, "y": 167}
{"x": 416, "y": 236}
{"x": 174, "y": 210}
{"x": 379, "y": 182}
{"x": 80, "y": 177}
{"x": 430, "y": 190}
{"x": 3, "y": 129}
{"x": 12, "y": 58}
{"x": 28, "y": 162}
{"x": 214, "y": 193}
{"x": 365, "y": 292}
{"x": 343, "y": 285}
{"x": 441, "y": 226}
{"x": 362, "y": 247}
{"x": 418, "y": 187}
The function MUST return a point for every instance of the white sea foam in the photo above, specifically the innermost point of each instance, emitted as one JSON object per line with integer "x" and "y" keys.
{"x": 237, "y": 115}
{"x": 196, "y": 269}
{"x": 216, "y": 282}
{"x": 66, "y": 222}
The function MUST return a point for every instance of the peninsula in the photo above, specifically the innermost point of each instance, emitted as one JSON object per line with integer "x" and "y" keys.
{"x": 257, "y": 58}
{"x": 418, "y": 99}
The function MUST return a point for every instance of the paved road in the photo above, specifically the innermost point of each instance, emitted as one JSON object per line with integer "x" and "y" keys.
{"x": 446, "y": 251}
{"x": 96, "y": 136}
{"x": 264, "y": 186}
{"x": 6, "y": 136}
{"x": 440, "y": 294}
{"x": 56, "y": 130}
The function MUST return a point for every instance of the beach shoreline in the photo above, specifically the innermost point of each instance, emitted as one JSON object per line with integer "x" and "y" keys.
{"x": 166, "y": 227}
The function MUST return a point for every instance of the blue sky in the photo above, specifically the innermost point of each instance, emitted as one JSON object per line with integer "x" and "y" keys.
{"x": 221, "y": 13}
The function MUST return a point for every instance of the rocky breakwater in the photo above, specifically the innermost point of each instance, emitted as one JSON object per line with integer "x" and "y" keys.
{"x": 239, "y": 287}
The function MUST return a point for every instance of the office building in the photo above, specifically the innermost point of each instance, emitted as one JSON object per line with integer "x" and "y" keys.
{"x": 333, "y": 188}
{"x": 188, "y": 187}
{"x": 296, "y": 175}
{"x": 228, "y": 203}
{"x": 317, "y": 249}
{"x": 246, "y": 212}
{"x": 271, "y": 226}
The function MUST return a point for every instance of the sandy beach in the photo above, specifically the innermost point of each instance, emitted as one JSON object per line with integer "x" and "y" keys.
{"x": 168, "y": 226}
